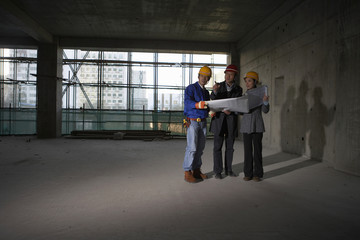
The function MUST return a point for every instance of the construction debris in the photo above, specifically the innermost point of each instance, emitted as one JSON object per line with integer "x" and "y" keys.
{"x": 147, "y": 135}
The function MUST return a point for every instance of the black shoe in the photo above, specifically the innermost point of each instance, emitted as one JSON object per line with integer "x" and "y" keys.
{"x": 230, "y": 173}
{"x": 218, "y": 176}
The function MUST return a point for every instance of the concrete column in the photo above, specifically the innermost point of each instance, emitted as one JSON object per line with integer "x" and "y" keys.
{"x": 49, "y": 90}
{"x": 234, "y": 58}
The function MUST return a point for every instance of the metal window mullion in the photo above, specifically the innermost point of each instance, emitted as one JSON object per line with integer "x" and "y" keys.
{"x": 156, "y": 81}
{"x": 156, "y": 91}
{"x": 183, "y": 83}
{"x": 129, "y": 90}
{"x": 15, "y": 86}
{"x": 99, "y": 85}
{"x": 190, "y": 69}
{"x": 74, "y": 86}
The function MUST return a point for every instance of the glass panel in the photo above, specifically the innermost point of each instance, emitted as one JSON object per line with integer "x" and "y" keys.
{"x": 9, "y": 98}
{"x": 218, "y": 75}
{"x": 220, "y": 58}
{"x": 80, "y": 54}
{"x": 170, "y": 76}
{"x": 138, "y": 99}
{"x": 202, "y": 58}
{"x": 69, "y": 53}
{"x": 115, "y": 80}
{"x": 23, "y": 71}
{"x": 142, "y": 57}
{"x": 9, "y": 52}
{"x": 88, "y": 93}
{"x": 27, "y": 95}
{"x": 69, "y": 99}
{"x": 170, "y": 100}
{"x": 123, "y": 56}
{"x": 114, "y": 97}
{"x": 170, "y": 57}
{"x": 142, "y": 83}
{"x": 28, "y": 53}
{"x": 90, "y": 54}
{"x": 18, "y": 88}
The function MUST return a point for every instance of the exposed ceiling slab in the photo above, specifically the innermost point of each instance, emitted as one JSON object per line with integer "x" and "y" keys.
{"x": 212, "y": 21}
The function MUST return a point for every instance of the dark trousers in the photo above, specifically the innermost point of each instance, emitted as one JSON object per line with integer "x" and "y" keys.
{"x": 253, "y": 166}
{"x": 229, "y": 152}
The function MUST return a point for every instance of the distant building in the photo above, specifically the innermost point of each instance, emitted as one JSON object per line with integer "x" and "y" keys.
{"x": 21, "y": 91}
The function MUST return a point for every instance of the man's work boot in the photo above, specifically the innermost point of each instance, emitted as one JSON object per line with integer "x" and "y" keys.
{"x": 189, "y": 177}
{"x": 198, "y": 174}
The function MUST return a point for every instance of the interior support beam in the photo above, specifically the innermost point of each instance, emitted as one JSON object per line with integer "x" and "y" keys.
{"x": 25, "y": 22}
{"x": 144, "y": 45}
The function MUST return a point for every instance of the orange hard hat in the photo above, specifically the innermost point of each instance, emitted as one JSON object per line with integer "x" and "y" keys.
{"x": 253, "y": 75}
{"x": 206, "y": 71}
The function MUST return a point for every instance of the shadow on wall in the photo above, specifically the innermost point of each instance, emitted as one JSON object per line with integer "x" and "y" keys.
{"x": 297, "y": 121}
{"x": 293, "y": 120}
{"x": 287, "y": 121}
{"x": 319, "y": 117}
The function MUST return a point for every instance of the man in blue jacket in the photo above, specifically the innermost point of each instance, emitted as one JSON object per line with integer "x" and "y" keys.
{"x": 196, "y": 112}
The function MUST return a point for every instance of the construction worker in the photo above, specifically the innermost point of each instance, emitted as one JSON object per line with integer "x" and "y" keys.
{"x": 196, "y": 112}
{"x": 252, "y": 127}
{"x": 224, "y": 123}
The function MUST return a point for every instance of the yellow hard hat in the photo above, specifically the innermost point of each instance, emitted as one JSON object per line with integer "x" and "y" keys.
{"x": 206, "y": 71}
{"x": 253, "y": 75}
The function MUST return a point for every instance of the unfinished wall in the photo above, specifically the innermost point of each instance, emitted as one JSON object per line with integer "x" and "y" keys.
{"x": 309, "y": 57}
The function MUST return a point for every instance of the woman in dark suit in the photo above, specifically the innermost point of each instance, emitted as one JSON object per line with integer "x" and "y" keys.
{"x": 252, "y": 128}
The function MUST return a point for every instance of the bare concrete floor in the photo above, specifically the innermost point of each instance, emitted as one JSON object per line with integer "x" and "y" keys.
{"x": 106, "y": 189}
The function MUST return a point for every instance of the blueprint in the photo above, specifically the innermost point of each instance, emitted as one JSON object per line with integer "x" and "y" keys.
{"x": 252, "y": 99}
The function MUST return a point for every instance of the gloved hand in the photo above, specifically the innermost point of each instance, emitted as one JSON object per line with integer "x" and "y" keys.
{"x": 200, "y": 105}
{"x": 212, "y": 114}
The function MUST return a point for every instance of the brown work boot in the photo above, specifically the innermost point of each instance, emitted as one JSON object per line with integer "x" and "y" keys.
{"x": 257, "y": 179}
{"x": 247, "y": 178}
{"x": 198, "y": 174}
{"x": 189, "y": 177}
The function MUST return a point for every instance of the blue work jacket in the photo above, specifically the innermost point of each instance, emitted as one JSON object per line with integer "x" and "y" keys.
{"x": 193, "y": 94}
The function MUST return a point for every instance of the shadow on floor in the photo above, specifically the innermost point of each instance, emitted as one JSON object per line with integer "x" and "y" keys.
{"x": 273, "y": 159}
{"x": 290, "y": 168}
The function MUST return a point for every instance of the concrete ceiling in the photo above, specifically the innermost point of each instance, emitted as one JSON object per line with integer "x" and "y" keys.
{"x": 214, "y": 21}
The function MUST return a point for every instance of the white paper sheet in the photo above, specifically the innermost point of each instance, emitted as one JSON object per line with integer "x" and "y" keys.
{"x": 253, "y": 98}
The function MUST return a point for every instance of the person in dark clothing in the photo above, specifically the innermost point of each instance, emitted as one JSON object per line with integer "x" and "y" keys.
{"x": 224, "y": 123}
{"x": 252, "y": 127}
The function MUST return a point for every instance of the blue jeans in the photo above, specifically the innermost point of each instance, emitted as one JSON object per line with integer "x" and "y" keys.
{"x": 196, "y": 137}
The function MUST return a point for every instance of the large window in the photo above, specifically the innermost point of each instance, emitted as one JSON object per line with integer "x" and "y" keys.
{"x": 18, "y": 78}
{"x": 133, "y": 80}
{"x": 104, "y": 90}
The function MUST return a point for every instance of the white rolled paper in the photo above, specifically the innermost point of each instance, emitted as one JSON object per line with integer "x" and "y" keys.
{"x": 252, "y": 99}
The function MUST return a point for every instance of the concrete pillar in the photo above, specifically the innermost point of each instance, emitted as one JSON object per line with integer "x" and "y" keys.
{"x": 234, "y": 58}
{"x": 49, "y": 90}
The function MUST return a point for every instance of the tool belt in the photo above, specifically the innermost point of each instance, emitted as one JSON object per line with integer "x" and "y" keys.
{"x": 187, "y": 121}
{"x": 198, "y": 119}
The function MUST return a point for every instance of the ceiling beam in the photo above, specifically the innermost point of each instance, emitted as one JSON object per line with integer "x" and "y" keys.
{"x": 144, "y": 45}
{"x": 25, "y": 22}
{"x": 18, "y": 42}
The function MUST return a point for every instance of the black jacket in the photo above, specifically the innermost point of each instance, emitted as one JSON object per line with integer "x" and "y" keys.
{"x": 217, "y": 125}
